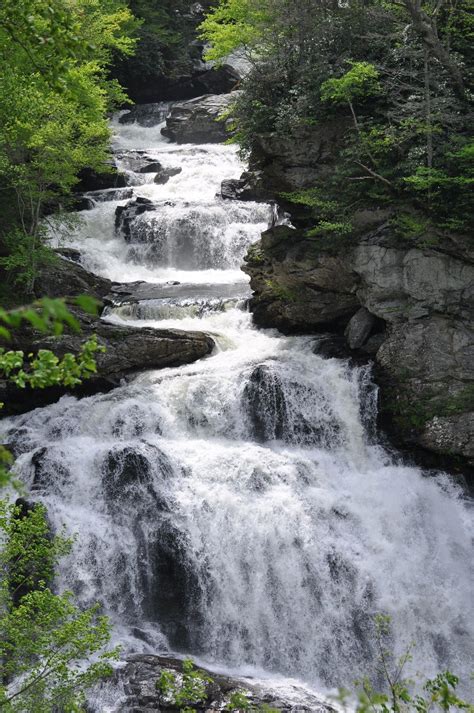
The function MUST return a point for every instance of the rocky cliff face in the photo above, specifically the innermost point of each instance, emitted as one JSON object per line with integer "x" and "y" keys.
{"x": 408, "y": 305}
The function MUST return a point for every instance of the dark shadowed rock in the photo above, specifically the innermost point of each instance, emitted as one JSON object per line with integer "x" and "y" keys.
{"x": 249, "y": 187}
{"x": 359, "y": 328}
{"x": 152, "y": 167}
{"x": 89, "y": 200}
{"x": 65, "y": 277}
{"x": 164, "y": 175}
{"x": 146, "y": 114}
{"x": 89, "y": 180}
{"x": 126, "y": 214}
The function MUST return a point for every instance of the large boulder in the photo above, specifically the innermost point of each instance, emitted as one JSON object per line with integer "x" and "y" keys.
{"x": 146, "y": 114}
{"x": 64, "y": 276}
{"x": 249, "y": 187}
{"x": 90, "y": 180}
{"x": 126, "y": 214}
{"x": 198, "y": 121}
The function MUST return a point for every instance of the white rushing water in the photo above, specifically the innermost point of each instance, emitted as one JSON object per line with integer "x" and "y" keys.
{"x": 238, "y": 508}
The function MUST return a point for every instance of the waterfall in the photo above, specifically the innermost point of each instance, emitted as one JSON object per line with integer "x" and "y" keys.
{"x": 239, "y": 509}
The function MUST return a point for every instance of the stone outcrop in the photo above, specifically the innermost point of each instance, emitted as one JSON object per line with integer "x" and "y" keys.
{"x": 65, "y": 276}
{"x": 410, "y": 306}
{"x": 89, "y": 180}
{"x": 407, "y": 303}
{"x": 128, "y": 349}
{"x": 146, "y": 115}
{"x": 135, "y": 684}
{"x": 249, "y": 187}
{"x": 126, "y": 214}
{"x": 296, "y": 161}
{"x": 197, "y": 120}
{"x": 295, "y": 287}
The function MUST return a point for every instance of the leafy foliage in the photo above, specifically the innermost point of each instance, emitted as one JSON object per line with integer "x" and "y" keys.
{"x": 45, "y": 639}
{"x": 54, "y": 98}
{"x": 44, "y": 369}
{"x": 401, "y": 694}
{"x": 394, "y": 77}
{"x": 192, "y": 688}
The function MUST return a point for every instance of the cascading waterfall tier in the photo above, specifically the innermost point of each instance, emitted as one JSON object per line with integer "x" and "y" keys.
{"x": 238, "y": 508}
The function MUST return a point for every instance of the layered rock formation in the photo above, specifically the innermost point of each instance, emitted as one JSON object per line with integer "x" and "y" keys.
{"x": 409, "y": 304}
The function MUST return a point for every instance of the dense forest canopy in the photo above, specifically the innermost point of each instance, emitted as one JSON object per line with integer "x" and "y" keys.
{"x": 396, "y": 76}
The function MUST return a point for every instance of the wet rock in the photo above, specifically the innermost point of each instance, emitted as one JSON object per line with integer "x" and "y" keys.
{"x": 152, "y": 167}
{"x": 128, "y": 349}
{"x": 125, "y": 215}
{"x": 264, "y": 402}
{"x": 164, "y": 175}
{"x": 196, "y": 121}
{"x": 136, "y": 690}
{"x": 137, "y": 160}
{"x": 83, "y": 203}
{"x": 331, "y": 346}
{"x": 90, "y": 200}
{"x": 89, "y": 180}
{"x": 146, "y": 115}
{"x": 246, "y": 188}
{"x": 359, "y": 328}
{"x": 48, "y": 465}
{"x": 171, "y": 586}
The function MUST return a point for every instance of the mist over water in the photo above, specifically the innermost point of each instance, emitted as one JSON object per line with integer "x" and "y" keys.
{"x": 239, "y": 508}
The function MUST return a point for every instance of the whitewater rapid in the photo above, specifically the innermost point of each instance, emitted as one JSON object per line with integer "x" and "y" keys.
{"x": 239, "y": 509}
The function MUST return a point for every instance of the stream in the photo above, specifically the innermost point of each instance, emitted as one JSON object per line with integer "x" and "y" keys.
{"x": 240, "y": 509}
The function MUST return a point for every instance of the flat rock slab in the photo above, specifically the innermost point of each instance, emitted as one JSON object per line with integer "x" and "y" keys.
{"x": 128, "y": 349}
{"x": 134, "y": 292}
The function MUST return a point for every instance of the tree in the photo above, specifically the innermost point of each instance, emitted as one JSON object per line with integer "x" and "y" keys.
{"x": 400, "y": 694}
{"x": 54, "y": 99}
{"x": 399, "y": 70}
{"x": 45, "y": 640}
